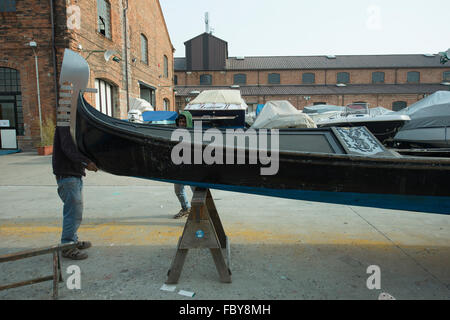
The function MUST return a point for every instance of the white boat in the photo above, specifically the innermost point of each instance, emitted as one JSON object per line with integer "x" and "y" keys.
{"x": 383, "y": 124}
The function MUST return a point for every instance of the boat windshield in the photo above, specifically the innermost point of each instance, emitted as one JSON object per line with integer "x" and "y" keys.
{"x": 356, "y": 108}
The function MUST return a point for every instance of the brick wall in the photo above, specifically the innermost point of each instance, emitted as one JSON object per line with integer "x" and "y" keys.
{"x": 322, "y": 77}
{"x": 32, "y": 22}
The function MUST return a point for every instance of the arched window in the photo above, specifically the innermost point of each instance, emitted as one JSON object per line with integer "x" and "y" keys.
{"x": 205, "y": 80}
{"x": 240, "y": 79}
{"x": 11, "y": 99}
{"x": 104, "y": 98}
{"x": 144, "y": 49}
{"x": 308, "y": 78}
{"x": 378, "y": 77}
{"x": 104, "y": 18}
{"x": 343, "y": 77}
{"x": 399, "y": 105}
{"x": 413, "y": 77}
{"x": 274, "y": 78}
{"x": 166, "y": 104}
{"x": 166, "y": 67}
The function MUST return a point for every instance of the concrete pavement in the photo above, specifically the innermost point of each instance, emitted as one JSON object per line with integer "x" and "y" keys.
{"x": 280, "y": 249}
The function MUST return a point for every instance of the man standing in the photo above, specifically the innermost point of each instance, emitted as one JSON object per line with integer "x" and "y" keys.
{"x": 184, "y": 120}
{"x": 69, "y": 167}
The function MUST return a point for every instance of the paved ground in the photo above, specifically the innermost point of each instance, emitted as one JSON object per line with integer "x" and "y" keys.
{"x": 280, "y": 249}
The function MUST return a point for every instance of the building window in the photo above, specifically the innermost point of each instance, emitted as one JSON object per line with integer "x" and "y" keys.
{"x": 206, "y": 80}
{"x": 104, "y": 18}
{"x": 144, "y": 49}
{"x": 413, "y": 77}
{"x": 378, "y": 77}
{"x": 11, "y": 99}
{"x": 446, "y": 76}
{"x": 343, "y": 77}
{"x": 175, "y": 80}
{"x": 240, "y": 79}
{"x": 308, "y": 78}
{"x": 148, "y": 94}
{"x": 274, "y": 78}
{"x": 399, "y": 105}
{"x": 104, "y": 97}
{"x": 7, "y": 5}
{"x": 166, "y": 67}
{"x": 166, "y": 104}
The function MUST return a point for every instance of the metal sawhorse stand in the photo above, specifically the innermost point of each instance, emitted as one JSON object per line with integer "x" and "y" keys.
{"x": 203, "y": 230}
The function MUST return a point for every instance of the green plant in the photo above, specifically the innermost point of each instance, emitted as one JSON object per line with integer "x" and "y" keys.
{"x": 48, "y": 132}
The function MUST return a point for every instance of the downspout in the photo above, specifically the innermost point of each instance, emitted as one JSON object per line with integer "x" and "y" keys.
{"x": 126, "y": 52}
{"x": 38, "y": 91}
{"x": 54, "y": 54}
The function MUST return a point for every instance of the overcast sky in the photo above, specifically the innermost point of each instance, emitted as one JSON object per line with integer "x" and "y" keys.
{"x": 319, "y": 27}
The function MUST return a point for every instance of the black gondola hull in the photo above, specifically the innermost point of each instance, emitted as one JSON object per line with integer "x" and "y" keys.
{"x": 392, "y": 183}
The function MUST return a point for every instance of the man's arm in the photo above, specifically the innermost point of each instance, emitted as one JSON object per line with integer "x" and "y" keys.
{"x": 70, "y": 150}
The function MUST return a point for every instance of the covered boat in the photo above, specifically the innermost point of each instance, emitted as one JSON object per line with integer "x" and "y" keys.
{"x": 383, "y": 125}
{"x": 430, "y": 122}
{"x": 219, "y": 108}
{"x": 334, "y": 165}
{"x": 281, "y": 115}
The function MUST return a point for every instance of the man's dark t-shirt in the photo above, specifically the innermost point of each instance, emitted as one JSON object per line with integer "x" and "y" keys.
{"x": 66, "y": 159}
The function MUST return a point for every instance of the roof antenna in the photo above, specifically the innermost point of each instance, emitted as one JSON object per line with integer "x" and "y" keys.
{"x": 207, "y": 22}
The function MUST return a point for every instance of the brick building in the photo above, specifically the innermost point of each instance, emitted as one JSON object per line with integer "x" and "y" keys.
{"x": 34, "y": 34}
{"x": 391, "y": 81}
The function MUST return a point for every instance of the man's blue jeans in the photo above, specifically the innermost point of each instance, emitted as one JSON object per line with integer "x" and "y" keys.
{"x": 182, "y": 197}
{"x": 70, "y": 192}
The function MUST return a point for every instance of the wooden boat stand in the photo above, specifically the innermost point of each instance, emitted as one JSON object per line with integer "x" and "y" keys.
{"x": 203, "y": 230}
{"x": 57, "y": 275}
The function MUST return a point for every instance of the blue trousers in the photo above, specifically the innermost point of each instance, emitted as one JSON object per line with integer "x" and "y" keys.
{"x": 70, "y": 192}
{"x": 182, "y": 197}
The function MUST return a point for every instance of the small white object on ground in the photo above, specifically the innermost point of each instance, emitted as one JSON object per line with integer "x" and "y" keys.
{"x": 186, "y": 293}
{"x": 385, "y": 296}
{"x": 170, "y": 288}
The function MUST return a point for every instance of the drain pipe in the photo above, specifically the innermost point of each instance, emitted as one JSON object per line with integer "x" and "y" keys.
{"x": 33, "y": 46}
{"x": 126, "y": 52}
{"x": 55, "y": 78}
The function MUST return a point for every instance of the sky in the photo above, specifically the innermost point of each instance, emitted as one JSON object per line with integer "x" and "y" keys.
{"x": 319, "y": 27}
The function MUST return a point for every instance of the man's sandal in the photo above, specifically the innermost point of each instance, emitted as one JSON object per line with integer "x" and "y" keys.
{"x": 74, "y": 254}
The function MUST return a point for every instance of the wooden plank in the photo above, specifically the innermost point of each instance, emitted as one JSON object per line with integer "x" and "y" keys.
{"x": 35, "y": 252}
{"x": 25, "y": 283}
{"x": 177, "y": 266}
{"x": 224, "y": 272}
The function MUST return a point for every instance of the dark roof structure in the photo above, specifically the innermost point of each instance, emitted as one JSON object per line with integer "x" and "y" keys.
{"x": 319, "y": 89}
{"x": 326, "y": 62}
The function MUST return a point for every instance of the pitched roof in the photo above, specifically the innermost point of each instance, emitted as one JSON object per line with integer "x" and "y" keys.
{"x": 324, "y": 62}
{"x": 320, "y": 89}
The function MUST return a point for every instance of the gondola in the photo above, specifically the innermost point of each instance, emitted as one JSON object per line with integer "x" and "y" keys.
{"x": 334, "y": 165}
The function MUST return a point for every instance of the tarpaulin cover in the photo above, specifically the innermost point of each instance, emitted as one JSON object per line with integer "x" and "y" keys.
{"x": 430, "y": 112}
{"x": 218, "y": 100}
{"x": 151, "y": 116}
{"x": 282, "y": 114}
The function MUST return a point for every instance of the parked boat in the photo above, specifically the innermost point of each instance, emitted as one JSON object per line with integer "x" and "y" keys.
{"x": 383, "y": 126}
{"x": 334, "y": 165}
{"x": 429, "y": 125}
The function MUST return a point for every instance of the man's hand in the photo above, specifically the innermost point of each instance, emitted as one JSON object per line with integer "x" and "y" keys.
{"x": 92, "y": 167}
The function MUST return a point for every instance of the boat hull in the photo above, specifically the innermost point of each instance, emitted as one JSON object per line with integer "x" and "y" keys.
{"x": 392, "y": 183}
